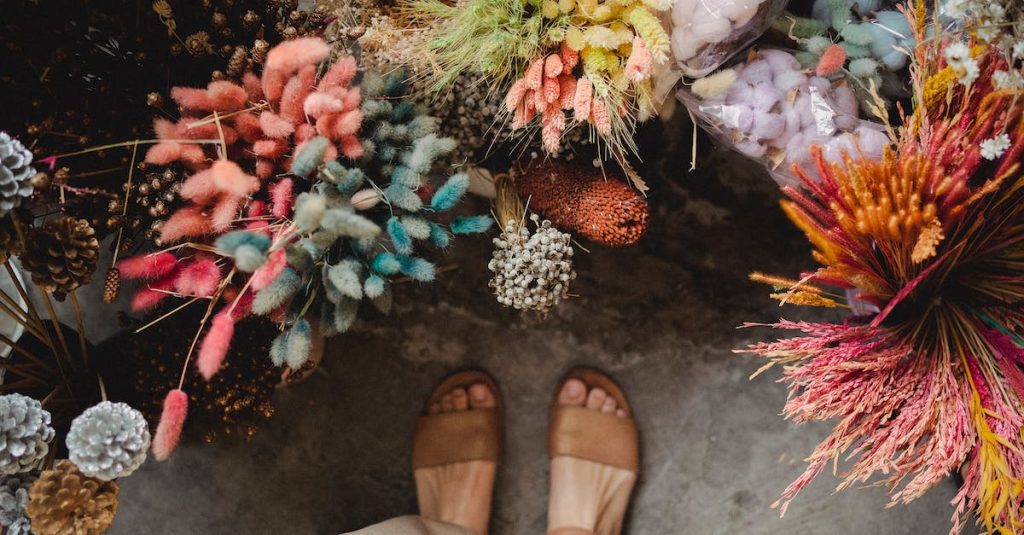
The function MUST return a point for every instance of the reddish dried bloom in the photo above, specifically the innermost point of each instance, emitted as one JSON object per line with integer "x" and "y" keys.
{"x": 591, "y": 202}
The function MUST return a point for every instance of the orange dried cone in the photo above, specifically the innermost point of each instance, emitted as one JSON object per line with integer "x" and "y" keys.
{"x": 585, "y": 200}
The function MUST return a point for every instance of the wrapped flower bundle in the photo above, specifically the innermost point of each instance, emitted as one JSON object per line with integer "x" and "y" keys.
{"x": 559, "y": 64}
{"x": 926, "y": 378}
{"x": 306, "y": 195}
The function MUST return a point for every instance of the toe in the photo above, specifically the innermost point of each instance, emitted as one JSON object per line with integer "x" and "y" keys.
{"x": 460, "y": 399}
{"x": 609, "y": 405}
{"x": 573, "y": 392}
{"x": 481, "y": 397}
{"x": 447, "y": 403}
{"x": 434, "y": 408}
{"x": 621, "y": 413}
{"x": 596, "y": 398}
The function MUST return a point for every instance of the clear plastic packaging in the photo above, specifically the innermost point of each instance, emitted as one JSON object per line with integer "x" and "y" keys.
{"x": 706, "y": 33}
{"x": 770, "y": 109}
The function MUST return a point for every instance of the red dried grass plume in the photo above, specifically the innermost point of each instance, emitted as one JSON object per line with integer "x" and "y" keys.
{"x": 585, "y": 200}
{"x": 172, "y": 420}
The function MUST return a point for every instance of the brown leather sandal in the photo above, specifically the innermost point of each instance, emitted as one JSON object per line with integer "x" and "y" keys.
{"x": 453, "y": 437}
{"x": 594, "y": 435}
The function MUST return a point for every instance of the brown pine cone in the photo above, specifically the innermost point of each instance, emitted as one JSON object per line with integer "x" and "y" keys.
{"x": 62, "y": 255}
{"x": 112, "y": 285}
{"x": 63, "y": 501}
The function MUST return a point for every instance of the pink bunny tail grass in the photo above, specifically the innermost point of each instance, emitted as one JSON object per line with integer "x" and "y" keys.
{"x": 352, "y": 99}
{"x": 831, "y": 60}
{"x": 163, "y": 153}
{"x": 165, "y": 129}
{"x": 535, "y": 74}
{"x": 198, "y": 279}
{"x": 640, "y": 65}
{"x": 270, "y": 149}
{"x": 248, "y": 127}
{"x": 226, "y": 96}
{"x": 224, "y": 213}
{"x": 147, "y": 266}
{"x": 186, "y": 222}
{"x": 582, "y": 100}
{"x": 553, "y": 66}
{"x": 256, "y": 208}
{"x": 274, "y": 126}
{"x": 281, "y": 198}
{"x": 340, "y": 74}
{"x": 253, "y": 88}
{"x": 269, "y": 271}
{"x": 154, "y": 293}
{"x": 191, "y": 98}
{"x": 290, "y": 56}
{"x": 273, "y": 84}
{"x": 318, "y": 104}
{"x": 351, "y": 147}
{"x": 230, "y": 179}
{"x": 304, "y": 132}
{"x": 172, "y": 421}
{"x": 295, "y": 93}
{"x": 215, "y": 345}
{"x": 569, "y": 57}
{"x": 192, "y": 155}
{"x": 199, "y": 187}
{"x": 264, "y": 168}
{"x": 348, "y": 123}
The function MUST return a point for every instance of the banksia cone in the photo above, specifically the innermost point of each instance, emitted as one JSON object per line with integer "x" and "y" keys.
{"x": 585, "y": 200}
{"x": 64, "y": 501}
{"x": 111, "y": 285}
{"x": 62, "y": 255}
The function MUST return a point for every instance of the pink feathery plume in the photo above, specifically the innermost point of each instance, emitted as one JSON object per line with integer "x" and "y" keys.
{"x": 552, "y": 125}
{"x": 163, "y": 153}
{"x": 165, "y": 129}
{"x": 192, "y": 155}
{"x": 199, "y": 187}
{"x": 305, "y": 132}
{"x": 253, "y": 87}
{"x": 150, "y": 266}
{"x": 270, "y": 149}
{"x": 198, "y": 279}
{"x": 566, "y": 91}
{"x": 551, "y": 90}
{"x": 172, "y": 421}
{"x": 569, "y": 57}
{"x": 831, "y": 60}
{"x": 351, "y": 98}
{"x": 553, "y": 66}
{"x": 515, "y": 94}
{"x": 281, "y": 198}
{"x": 295, "y": 92}
{"x": 539, "y": 99}
{"x": 256, "y": 208}
{"x": 226, "y": 96}
{"x": 348, "y": 123}
{"x": 191, "y": 98}
{"x": 273, "y": 125}
{"x": 229, "y": 178}
{"x": 351, "y": 147}
{"x": 248, "y": 126}
{"x": 582, "y": 100}
{"x": 224, "y": 213}
{"x": 215, "y": 344}
{"x": 269, "y": 271}
{"x": 291, "y": 56}
{"x": 155, "y": 292}
{"x": 640, "y": 65}
{"x": 317, "y": 104}
{"x": 340, "y": 74}
{"x": 599, "y": 118}
{"x": 273, "y": 84}
{"x": 264, "y": 168}
{"x": 186, "y": 222}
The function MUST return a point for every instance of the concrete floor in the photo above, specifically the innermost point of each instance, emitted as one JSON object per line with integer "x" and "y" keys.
{"x": 660, "y": 316}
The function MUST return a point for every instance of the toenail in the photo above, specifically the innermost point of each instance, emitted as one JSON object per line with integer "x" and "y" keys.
{"x": 574, "y": 389}
{"x": 478, "y": 392}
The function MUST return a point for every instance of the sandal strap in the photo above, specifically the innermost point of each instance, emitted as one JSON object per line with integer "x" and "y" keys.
{"x": 452, "y": 437}
{"x": 594, "y": 436}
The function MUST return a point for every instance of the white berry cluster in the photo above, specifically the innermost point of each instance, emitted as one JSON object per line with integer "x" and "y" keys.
{"x": 532, "y": 271}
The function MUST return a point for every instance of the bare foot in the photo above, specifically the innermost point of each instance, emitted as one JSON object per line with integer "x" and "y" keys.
{"x": 459, "y": 493}
{"x": 588, "y": 497}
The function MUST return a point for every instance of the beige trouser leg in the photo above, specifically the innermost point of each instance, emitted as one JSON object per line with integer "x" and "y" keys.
{"x": 412, "y": 525}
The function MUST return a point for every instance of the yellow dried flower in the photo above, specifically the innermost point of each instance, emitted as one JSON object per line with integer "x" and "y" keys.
{"x": 782, "y": 283}
{"x": 649, "y": 28}
{"x": 927, "y": 241}
{"x": 805, "y": 299}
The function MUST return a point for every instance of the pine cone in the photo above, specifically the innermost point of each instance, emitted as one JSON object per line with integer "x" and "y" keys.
{"x": 62, "y": 255}
{"x": 64, "y": 501}
{"x": 109, "y": 440}
{"x": 25, "y": 433}
{"x": 16, "y": 173}
{"x": 112, "y": 285}
{"x": 13, "y": 499}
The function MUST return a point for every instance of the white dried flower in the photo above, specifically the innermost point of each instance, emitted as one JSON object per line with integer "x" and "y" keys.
{"x": 532, "y": 271}
{"x": 995, "y": 147}
{"x": 1008, "y": 80}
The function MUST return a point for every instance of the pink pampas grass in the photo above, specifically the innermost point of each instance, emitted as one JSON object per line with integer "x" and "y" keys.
{"x": 274, "y": 126}
{"x": 147, "y": 266}
{"x": 215, "y": 345}
{"x": 640, "y": 65}
{"x": 172, "y": 421}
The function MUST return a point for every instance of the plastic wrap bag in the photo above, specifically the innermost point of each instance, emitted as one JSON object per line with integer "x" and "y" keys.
{"x": 770, "y": 109}
{"x": 706, "y": 33}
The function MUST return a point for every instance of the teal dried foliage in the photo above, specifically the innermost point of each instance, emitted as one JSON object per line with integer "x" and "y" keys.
{"x": 343, "y": 255}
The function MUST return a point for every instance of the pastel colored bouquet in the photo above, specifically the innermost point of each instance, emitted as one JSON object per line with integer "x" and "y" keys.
{"x": 925, "y": 378}
{"x": 306, "y": 196}
{"x": 560, "y": 65}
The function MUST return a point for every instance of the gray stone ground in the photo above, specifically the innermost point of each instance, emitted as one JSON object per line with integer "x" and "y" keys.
{"x": 660, "y": 316}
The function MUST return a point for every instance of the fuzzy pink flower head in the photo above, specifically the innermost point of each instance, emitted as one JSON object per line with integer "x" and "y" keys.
{"x": 229, "y": 178}
{"x": 198, "y": 279}
{"x": 515, "y": 94}
{"x": 535, "y": 74}
{"x": 149, "y": 266}
{"x": 553, "y": 66}
{"x": 640, "y": 65}
{"x": 172, "y": 421}
{"x": 291, "y": 56}
{"x": 831, "y": 60}
{"x": 215, "y": 345}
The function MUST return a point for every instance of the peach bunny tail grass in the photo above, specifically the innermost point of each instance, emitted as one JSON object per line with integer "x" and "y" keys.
{"x": 172, "y": 421}
{"x": 215, "y": 345}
